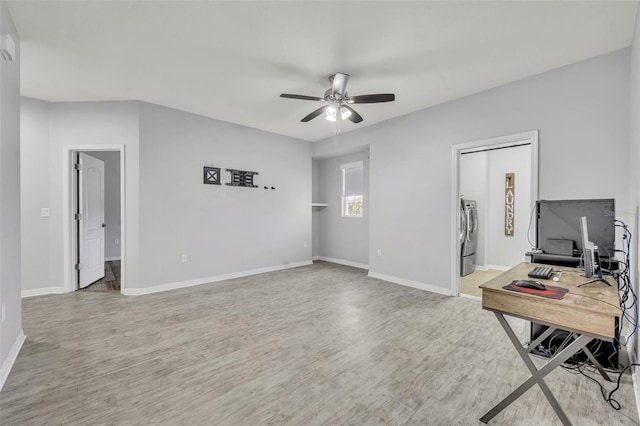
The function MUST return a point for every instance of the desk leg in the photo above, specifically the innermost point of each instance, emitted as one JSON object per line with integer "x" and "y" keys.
{"x": 594, "y": 361}
{"x": 586, "y": 350}
{"x": 537, "y": 376}
{"x": 596, "y": 364}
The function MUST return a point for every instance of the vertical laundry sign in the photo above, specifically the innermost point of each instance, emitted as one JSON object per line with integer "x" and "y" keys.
{"x": 509, "y": 202}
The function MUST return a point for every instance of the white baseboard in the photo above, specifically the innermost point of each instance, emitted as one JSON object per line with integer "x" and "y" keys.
{"x": 206, "y": 280}
{"x": 343, "y": 262}
{"x": 498, "y": 267}
{"x": 469, "y": 296}
{"x": 409, "y": 283}
{"x": 7, "y": 365}
{"x": 111, "y": 259}
{"x": 42, "y": 291}
{"x": 494, "y": 267}
{"x": 315, "y": 258}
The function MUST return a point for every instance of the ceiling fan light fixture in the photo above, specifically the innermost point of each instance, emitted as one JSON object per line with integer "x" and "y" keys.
{"x": 331, "y": 113}
{"x": 336, "y": 101}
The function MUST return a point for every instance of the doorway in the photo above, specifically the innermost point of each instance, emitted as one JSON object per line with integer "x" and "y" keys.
{"x": 484, "y": 172}
{"x": 94, "y": 242}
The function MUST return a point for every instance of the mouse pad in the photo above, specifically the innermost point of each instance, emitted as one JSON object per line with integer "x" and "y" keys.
{"x": 550, "y": 292}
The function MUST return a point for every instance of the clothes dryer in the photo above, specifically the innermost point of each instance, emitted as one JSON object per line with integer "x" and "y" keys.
{"x": 468, "y": 236}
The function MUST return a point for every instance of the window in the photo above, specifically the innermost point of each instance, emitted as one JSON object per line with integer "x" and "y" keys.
{"x": 352, "y": 197}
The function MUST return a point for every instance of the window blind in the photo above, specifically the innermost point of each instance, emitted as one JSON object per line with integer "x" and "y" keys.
{"x": 352, "y": 179}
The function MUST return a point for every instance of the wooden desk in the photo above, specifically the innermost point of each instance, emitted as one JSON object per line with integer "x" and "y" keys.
{"x": 588, "y": 312}
{"x": 591, "y": 309}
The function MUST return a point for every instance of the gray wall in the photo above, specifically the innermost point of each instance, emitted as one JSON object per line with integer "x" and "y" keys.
{"x": 111, "y": 202}
{"x": 35, "y": 182}
{"x": 11, "y": 327}
{"x": 315, "y": 211}
{"x": 169, "y": 211}
{"x": 342, "y": 238}
{"x": 582, "y": 112}
{"x": 91, "y": 123}
{"x": 222, "y": 229}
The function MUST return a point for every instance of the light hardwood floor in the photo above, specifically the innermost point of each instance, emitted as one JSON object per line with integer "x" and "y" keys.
{"x": 320, "y": 344}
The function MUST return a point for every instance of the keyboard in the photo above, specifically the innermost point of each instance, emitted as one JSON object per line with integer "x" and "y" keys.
{"x": 541, "y": 272}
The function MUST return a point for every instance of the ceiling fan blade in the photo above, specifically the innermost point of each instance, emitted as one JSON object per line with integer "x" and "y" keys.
{"x": 301, "y": 97}
{"x": 340, "y": 81}
{"x": 355, "y": 117}
{"x": 372, "y": 99}
{"x": 314, "y": 114}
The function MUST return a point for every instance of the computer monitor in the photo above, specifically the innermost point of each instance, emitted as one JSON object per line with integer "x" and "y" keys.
{"x": 558, "y": 226}
{"x": 590, "y": 255}
{"x": 589, "y": 250}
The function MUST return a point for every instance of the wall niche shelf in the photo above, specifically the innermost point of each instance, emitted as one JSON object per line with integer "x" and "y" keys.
{"x": 319, "y": 205}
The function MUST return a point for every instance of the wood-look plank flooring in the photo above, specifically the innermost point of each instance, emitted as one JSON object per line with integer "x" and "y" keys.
{"x": 315, "y": 345}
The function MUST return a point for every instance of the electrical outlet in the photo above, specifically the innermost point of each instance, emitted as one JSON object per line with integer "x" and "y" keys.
{"x": 44, "y": 212}
{"x": 379, "y": 252}
{"x": 184, "y": 258}
{"x": 117, "y": 241}
{"x": 4, "y": 313}
{"x": 304, "y": 244}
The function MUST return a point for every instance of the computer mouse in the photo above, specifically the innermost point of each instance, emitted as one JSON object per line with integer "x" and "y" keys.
{"x": 530, "y": 284}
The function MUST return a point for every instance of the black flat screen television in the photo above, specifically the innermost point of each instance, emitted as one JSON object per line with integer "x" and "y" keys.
{"x": 558, "y": 225}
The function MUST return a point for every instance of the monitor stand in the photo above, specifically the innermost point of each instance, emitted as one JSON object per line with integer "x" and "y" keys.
{"x": 595, "y": 281}
{"x": 591, "y": 262}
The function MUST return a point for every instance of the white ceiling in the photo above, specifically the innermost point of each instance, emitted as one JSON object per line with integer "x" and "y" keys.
{"x": 231, "y": 60}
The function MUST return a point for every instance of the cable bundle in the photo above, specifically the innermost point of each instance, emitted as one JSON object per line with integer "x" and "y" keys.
{"x": 628, "y": 298}
{"x": 629, "y": 308}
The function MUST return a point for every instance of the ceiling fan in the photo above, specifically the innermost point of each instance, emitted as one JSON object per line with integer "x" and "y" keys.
{"x": 337, "y": 100}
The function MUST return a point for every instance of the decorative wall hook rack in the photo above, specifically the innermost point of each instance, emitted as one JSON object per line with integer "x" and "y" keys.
{"x": 241, "y": 178}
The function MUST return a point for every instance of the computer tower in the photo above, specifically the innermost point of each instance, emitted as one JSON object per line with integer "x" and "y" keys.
{"x": 606, "y": 353}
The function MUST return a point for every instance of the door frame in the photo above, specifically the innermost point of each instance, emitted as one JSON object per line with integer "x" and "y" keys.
{"x": 69, "y": 233}
{"x": 497, "y": 142}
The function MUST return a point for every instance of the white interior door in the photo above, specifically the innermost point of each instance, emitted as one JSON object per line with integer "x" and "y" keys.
{"x": 91, "y": 223}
